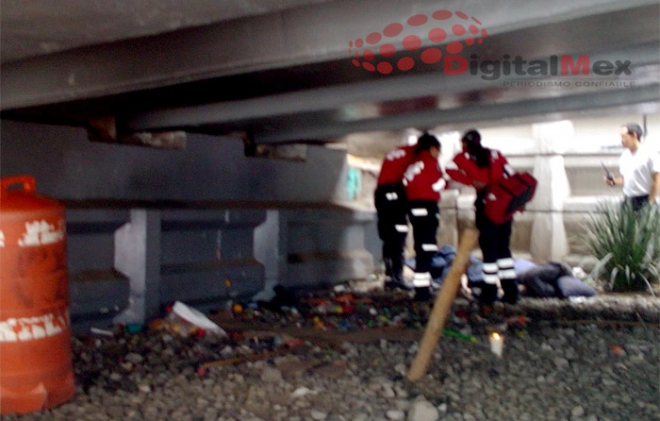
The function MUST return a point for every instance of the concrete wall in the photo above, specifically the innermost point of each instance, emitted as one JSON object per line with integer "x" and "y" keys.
{"x": 98, "y": 292}
{"x": 315, "y": 240}
{"x": 204, "y": 225}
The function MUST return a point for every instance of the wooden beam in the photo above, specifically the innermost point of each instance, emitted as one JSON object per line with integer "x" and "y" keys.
{"x": 442, "y": 305}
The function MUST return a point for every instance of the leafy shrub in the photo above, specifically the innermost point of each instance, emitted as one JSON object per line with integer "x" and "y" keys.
{"x": 626, "y": 244}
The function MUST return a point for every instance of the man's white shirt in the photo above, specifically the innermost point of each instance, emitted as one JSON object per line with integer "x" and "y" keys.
{"x": 637, "y": 170}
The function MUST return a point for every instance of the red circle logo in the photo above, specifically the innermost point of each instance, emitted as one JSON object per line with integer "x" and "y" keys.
{"x": 420, "y": 40}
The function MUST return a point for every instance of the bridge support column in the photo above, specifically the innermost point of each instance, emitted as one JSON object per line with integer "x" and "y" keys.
{"x": 137, "y": 255}
{"x": 548, "y": 238}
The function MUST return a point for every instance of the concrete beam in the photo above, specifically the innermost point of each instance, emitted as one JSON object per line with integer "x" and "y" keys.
{"x": 351, "y": 104}
{"x": 312, "y": 34}
{"x": 552, "y": 106}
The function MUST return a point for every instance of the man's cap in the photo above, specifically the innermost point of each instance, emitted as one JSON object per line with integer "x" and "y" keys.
{"x": 635, "y": 128}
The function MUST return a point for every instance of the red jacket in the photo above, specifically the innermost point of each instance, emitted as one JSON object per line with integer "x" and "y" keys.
{"x": 465, "y": 170}
{"x": 423, "y": 178}
{"x": 395, "y": 164}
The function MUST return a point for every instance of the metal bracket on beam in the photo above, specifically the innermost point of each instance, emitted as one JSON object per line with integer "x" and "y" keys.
{"x": 105, "y": 129}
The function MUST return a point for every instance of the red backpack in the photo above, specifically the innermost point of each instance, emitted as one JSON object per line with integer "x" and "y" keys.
{"x": 508, "y": 195}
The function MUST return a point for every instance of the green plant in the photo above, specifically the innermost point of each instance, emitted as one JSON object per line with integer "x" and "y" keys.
{"x": 627, "y": 245}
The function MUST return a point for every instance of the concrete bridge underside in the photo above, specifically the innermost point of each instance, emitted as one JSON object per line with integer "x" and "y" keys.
{"x": 283, "y": 75}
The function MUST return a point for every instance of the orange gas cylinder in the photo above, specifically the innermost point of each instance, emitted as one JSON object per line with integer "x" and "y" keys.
{"x": 36, "y": 370}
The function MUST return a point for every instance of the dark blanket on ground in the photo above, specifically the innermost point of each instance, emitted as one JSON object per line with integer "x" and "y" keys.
{"x": 549, "y": 280}
{"x": 554, "y": 279}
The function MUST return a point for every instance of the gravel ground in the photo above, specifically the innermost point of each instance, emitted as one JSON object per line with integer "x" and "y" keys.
{"x": 595, "y": 360}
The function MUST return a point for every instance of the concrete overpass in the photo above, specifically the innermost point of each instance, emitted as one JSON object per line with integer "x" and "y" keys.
{"x": 283, "y": 71}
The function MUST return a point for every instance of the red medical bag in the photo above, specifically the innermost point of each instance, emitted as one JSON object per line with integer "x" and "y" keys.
{"x": 508, "y": 195}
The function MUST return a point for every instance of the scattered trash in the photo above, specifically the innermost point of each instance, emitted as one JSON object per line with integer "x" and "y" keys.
{"x": 252, "y": 357}
{"x": 520, "y": 319}
{"x": 302, "y": 391}
{"x": 340, "y": 288}
{"x": 449, "y": 332}
{"x": 462, "y": 313}
{"x": 103, "y": 332}
{"x": 196, "y": 318}
{"x": 175, "y": 325}
{"x": 133, "y": 328}
{"x": 237, "y": 308}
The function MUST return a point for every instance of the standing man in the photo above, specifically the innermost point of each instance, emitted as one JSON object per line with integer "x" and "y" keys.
{"x": 479, "y": 167}
{"x": 391, "y": 210}
{"x": 639, "y": 168}
{"x": 423, "y": 181}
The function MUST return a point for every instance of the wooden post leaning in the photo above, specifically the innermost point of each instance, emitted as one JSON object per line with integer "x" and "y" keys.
{"x": 442, "y": 305}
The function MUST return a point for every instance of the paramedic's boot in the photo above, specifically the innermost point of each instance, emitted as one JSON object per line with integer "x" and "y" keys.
{"x": 423, "y": 294}
{"x": 394, "y": 271}
{"x": 488, "y": 295}
{"x": 511, "y": 291}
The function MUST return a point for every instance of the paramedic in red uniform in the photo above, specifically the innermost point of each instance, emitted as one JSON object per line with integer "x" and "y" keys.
{"x": 423, "y": 181}
{"x": 478, "y": 166}
{"x": 391, "y": 209}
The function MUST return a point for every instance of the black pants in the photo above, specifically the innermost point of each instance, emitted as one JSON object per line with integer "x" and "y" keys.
{"x": 392, "y": 210}
{"x": 424, "y": 218}
{"x": 637, "y": 202}
{"x": 494, "y": 241}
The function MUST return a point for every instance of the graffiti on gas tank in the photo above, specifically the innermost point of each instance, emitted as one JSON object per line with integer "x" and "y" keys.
{"x": 41, "y": 232}
{"x": 30, "y": 328}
